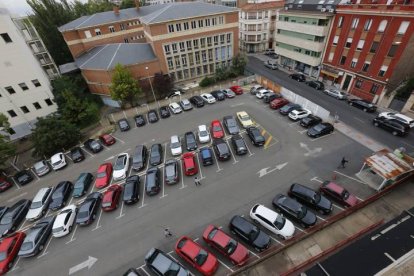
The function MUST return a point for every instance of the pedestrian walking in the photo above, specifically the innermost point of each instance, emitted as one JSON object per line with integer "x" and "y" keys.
{"x": 197, "y": 181}
{"x": 167, "y": 232}
{"x": 343, "y": 162}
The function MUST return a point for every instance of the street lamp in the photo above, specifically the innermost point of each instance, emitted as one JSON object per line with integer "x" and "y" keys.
{"x": 152, "y": 89}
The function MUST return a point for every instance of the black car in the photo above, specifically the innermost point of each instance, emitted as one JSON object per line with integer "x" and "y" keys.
{"x": 77, "y": 155}
{"x": 37, "y": 237}
{"x": 155, "y": 157}
{"x": 238, "y": 144}
{"x": 82, "y": 184}
{"x": 190, "y": 141}
{"x": 13, "y": 217}
{"x": 162, "y": 264}
{"x": 285, "y": 110}
{"x": 293, "y": 209}
{"x": 316, "y": 84}
{"x": 23, "y": 177}
{"x": 164, "y": 112}
{"x": 3, "y": 210}
{"x": 152, "y": 116}
{"x": 231, "y": 125}
{"x": 131, "y": 190}
{"x": 270, "y": 97}
{"x": 255, "y": 136}
{"x": 140, "y": 120}
{"x": 219, "y": 95}
{"x": 139, "y": 158}
{"x": 60, "y": 195}
{"x": 171, "y": 171}
{"x": 152, "y": 181}
{"x": 197, "y": 101}
{"x": 249, "y": 233}
{"x": 88, "y": 209}
{"x": 221, "y": 149}
{"x": 310, "y": 121}
{"x": 362, "y": 104}
{"x": 311, "y": 198}
{"x": 93, "y": 145}
{"x": 206, "y": 155}
{"x": 297, "y": 77}
{"x": 392, "y": 125}
{"x": 320, "y": 130}
{"x": 123, "y": 125}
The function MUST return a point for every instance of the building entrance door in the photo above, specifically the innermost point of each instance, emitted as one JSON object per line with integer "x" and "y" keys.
{"x": 346, "y": 83}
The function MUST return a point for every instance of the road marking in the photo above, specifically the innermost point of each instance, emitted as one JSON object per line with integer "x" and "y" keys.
{"x": 316, "y": 179}
{"x": 163, "y": 185}
{"x": 265, "y": 171}
{"x": 321, "y": 218}
{"x": 225, "y": 265}
{"x": 309, "y": 152}
{"x": 73, "y": 235}
{"x": 15, "y": 265}
{"x": 232, "y": 154}
{"x": 169, "y": 254}
{"x": 294, "y": 123}
{"x": 267, "y": 142}
{"x": 350, "y": 177}
{"x": 45, "y": 248}
{"x": 122, "y": 208}
{"x": 218, "y": 166}
{"x": 254, "y": 254}
{"x": 340, "y": 208}
{"x": 407, "y": 144}
{"x": 248, "y": 149}
{"x": 18, "y": 186}
{"x": 360, "y": 199}
{"x": 16, "y": 197}
{"x": 118, "y": 139}
{"x": 389, "y": 256}
{"x": 281, "y": 243}
{"x": 143, "y": 193}
{"x": 165, "y": 151}
{"x": 182, "y": 175}
{"x": 300, "y": 229}
{"x": 67, "y": 155}
{"x": 263, "y": 132}
{"x": 302, "y": 131}
{"x": 142, "y": 268}
{"x": 38, "y": 178}
{"x": 359, "y": 120}
{"x": 238, "y": 104}
{"x": 99, "y": 219}
{"x": 86, "y": 264}
{"x": 199, "y": 167}
{"x": 87, "y": 151}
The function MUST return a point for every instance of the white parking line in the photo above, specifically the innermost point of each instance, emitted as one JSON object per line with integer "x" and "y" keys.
{"x": 70, "y": 158}
{"x": 300, "y": 229}
{"x": 16, "y": 197}
{"x": 87, "y": 151}
{"x": 357, "y": 180}
{"x": 340, "y": 208}
{"x": 302, "y": 131}
{"x": 279, "y": 242}
{"x": 294, "y": 123}
{"x": 105, "y": 146}
{"x": 15, "y": 265}
{"x": 360, "y": 199}
{"x": 321, "y": 218}
{"x": 316, "y": 179}
{"x": 248, "y": 149}
{"x": 218, "y": 166}
{"x": 122, "y": 208}
{"x": 73, "y": 235}
{"x": 182, "y": 176}
{"x": 165, "y": 152}
{"x": 163, "y": 185}
{"x": 14, "y": 181}
{"x": 254, "y": 254}
{"x": 232, "y": 154}
{"x": 225, "y": 265}
{"x": 22, "y": 226}
{"x": 169, "y": 254}
{"x": 38, "y": 178}
{"x": 143, "y": 193}
{"x": 142, "y": 268}
{"x": 99, "y": 219}
{"x": 119, "y": 139}
{"x": 199, "y": 167}
{"x": 45, "y": 248}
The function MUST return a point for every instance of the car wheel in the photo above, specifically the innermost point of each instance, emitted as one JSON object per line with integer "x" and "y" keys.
{"x": 281, "y": 237}
{"x": 233, "y": 232}
{"x": 43, "y": 212}
{"x": 70, "y": 229}
{"x": 304, "y": 225}
{"x": 365, "y": 110}
{"x": 351, "y": 104}
{"x": 40, "y": 247}
{"x": 395, "y": 133}
{"x": 10, "y": 265}
{"x": 94, "y": 217}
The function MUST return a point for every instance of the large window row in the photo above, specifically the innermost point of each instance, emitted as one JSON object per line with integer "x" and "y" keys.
{"x": 195, "y": 24}
{"x": 25, "y": 109}
{"x": 23, "y": 86}
{"x": 199, "y": 71}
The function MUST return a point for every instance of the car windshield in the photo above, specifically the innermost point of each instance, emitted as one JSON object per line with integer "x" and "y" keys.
{"x": 77, "y": 190}
{"x": 345, "y": 194}
{"x": 253, "y": 234}
{"x": 279, "y": 222}
{"x": 302, "y": 212}
{"x": 201, "y": 257}
{"x": 6, "y": 219}
{"x": 155, "y": 153}
{"x": 83, "y": 214}
{"x": 36, "y": 204}
{"x": 3, "y": 256}
{"x": 319, "y": 128}
{"x": 119, "y": 164}
{"x": 56, "y": 163}
{"x": 56, "y": 195}
{"x": 39, "y": 166}
{"x": 151, "y": 116}
{"x": 129, "y": 189}
{"x": 244, "y": 117}
{"x": 216, "y": 128}
{"x": 203, "y": 133}
{"x": 94, "y": 144}
{"x": 231, "y": 246}
{"x": 190, "y": 139}
{"x": 175, "y": 145}
{"x": 170, "y": 170}
{"x": 101, "y": 175}
{"x": 57, "y": 230}
{"x": 26, "y": 246}
{"x": 172, "y": 270}
{"x": 231, "y": 123}
{"x": 317, "y": 197}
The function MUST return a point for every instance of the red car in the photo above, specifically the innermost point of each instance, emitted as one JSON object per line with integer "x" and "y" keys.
{"x": 9, "y": 247}
{"x": 237, "y": 89}
{"x": 4, "y": 184}
{"x": 236, "y": 252}
{"x": 278, "y": 103}
{"x": 104, "y": 175}
{"x": 107, "y": 139}
{"x": 190, "y": 165}
{"x": 197, "y": 256}
{"x": 217, "y": 129}
{"x": 111, "y": 198}
{"x": 338, "y": 193}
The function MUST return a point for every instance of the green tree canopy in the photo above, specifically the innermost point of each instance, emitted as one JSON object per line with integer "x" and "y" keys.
{"x": 78, "y": 111}
{"x": 4, "y": 123}
{"x": 239, "y": 63}
{"x": 162, "y": 84}
{"x": 124, "y": 87}
{"x": 125, "y": 4}
{"x": 7, "y": 149}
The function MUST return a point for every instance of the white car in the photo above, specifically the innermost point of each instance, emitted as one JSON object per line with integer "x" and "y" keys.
{"x": 203, "y": 135}
{"x": 208, "y": 98}
{"x": 272, "y": 221}
{"x": 175, "y": 145}
{"x": 58, "y": 161}
{"x": 39, "y": 204}
{"x": 298, "y": 114}
{"x": 244, "y": 119}
{"x": 121, "y": 166}
{"x": 175, "y": 108}
{"x": 399, "y": 117}
{"x": 255, "y": 88}
{"x": 64, "y": 221}
{"x": 262, "y": 92}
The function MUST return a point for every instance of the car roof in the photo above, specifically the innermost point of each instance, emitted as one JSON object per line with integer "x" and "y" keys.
{"x": 334, "y": 187}
{"x": 41, "y": 193}
{"x": 174, "y": 105}
{"x": 242, "y": 223}
{"x": 266, "y": 212}
{"x": 302, "y": 189}
{"x": 56, "y": 157}
{"x": 5, "y": 242}
{"x": 102, "y": 167}
{"x": 202, "y": 127}
{"x": 190, "y": 248}
{"x": 221, "y": 238}
{"x": 289, "y": 202}
{"x": 174, "y": 138}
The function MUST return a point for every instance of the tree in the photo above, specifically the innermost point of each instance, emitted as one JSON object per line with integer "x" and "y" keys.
{"x": 53, "y": 134}
{"x": 239, "y": 62}
{"x": 405, "y": 91}
{"x": 78, "y": 111}
{"x": 124, "y": 87}
{"x": 7, "y": 149}
{"x": 73, "y": 83}
{"x": 4, "y": 123}
{"x": 162, "y": 84}
{"x": 125, "y": 4}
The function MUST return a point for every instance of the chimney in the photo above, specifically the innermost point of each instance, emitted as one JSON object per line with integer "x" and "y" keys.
{"x": 116, "y": 9}
{"x": 137, "y": 4}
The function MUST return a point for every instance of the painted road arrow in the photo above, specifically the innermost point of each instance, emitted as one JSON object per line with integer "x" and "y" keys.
{"x": 88, "y": 263}
{"x": 309, "y": 151}
{"x": 265, "y": 171}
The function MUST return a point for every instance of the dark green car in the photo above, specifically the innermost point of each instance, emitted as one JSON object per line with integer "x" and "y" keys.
{"x": 82, "y": 184}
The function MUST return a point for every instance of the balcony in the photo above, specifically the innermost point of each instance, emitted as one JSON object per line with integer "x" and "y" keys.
{"x": 312, "y": 61}
{"x": 303, "y": 28}
{"x": 302, "y": 43}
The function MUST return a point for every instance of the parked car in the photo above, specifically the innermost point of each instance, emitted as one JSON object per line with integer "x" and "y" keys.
{"x": 310, "y": 121}
{"x": 88, "y": 209}
{"x": 221, "y": 149}
{"x": 255, "y": 136}
{"x": 164, "y": 112}
{"x": 103, "y": 176}
{"x": 123, "y": 125}
{"x": 140, "y": 120}
{"x": 107, "y": 139}
{"x": 131, "y": 190}
{"x": 41, "y": 168}
{"x": 5, "y": 184}
{"x": 399, "y": 117}
{"x": 236, "y": 89}
{"x": 226, "y": 245}
{"x": 175, "y": 108}
{"x": 206, "y": 156}
{"x": 155, "y": 157}
{"x": 203, "y": 135}
{"x": 23, "y": 177}
{"x": 162, "y": 264}
{"x": 294, "y": 210}
{"x": 13, "y": 217}
{"x": 121, "y": 166}
{"x": 139, "y": 158}
{"x": 3, "y": 210}
{"x": 316, "y": 84}
{"x": 171, "y": 172}
{"x": 175, "y": 145}
{"x": 263, "y": 92}
{"x": 218, "y": 95}
{"x": 93, "y": 145}
{"x": 152, "y": 116}
{"x": 196, "y": 255}
{"x": 173, "y": 94}
{"x": 64, "y": 221}
{"x": 216, "y": 129}
{"x": 255, "y": 88}
{"x": 190, "y": 141}
{"x": 231, "y": 125}
{"x": 320, "y": 130}
{"x": 298, "y": 114}
{"x": 278, "y": 103}
{"x": 270, "y": 97}
{"x": 336, "y": 94}
{"x": 40, "y": 203}
{"x": 311, "y": 198}
{"x": 249, "y": 233}
{"x": 111, "y": 197}
{"x": 186, "y": 105}
{"x": 9, "y": 248}
{"x": 271, "y": 64}
{"x": 272, "y": 221}
{"x": 58, "y": 161}
{"x": 269, "y": 51}
{"x": 338, "y": 193}
{"x": 82, "y": 184}
{"x": 238, "y": 144}
{"x": 228, "y": 93}
{"x": 362, "y": 104}
{"x": 132, "y": 272}
{"x": 297, "y": 77}
{"x": 244, "y": 119}
{"x": 197, "y": 101}
{"x": 285, "y": 110}
{"x": 61, "y": 195}
{"x": 37, "y": 237}
{"x": 76, "y": 154}
{"x": 208, "y": 98}
{"x": 152, "y": 181}
{"x": 394, "y": 126}
{"x": 189, "y": 164}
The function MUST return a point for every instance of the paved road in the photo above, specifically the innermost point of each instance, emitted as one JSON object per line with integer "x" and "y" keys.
{"x": 351, "y": 116}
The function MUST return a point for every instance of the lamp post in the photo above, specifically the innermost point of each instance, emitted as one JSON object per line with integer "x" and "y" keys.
{"x": 152, "y": 89}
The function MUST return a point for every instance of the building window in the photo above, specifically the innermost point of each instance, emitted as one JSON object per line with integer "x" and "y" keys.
{"x": 193, "y": 24}
{"x": 209, "y": 43}
{"x": 184, "y": 60}
{"x": 202, "y": 42}
{"x": 215, "y": 40}
{"x": 195, "y": 43}
{"x": 221, "y": 20}
{"x": 335, "y": 40}
{"x": 121, "y": 26}
{"x": 197, "y": 57}
{"x": 98, "y": 31}
{"x": 182, "y": 46}
{"x": 348, "y": 43}
{"x": 10, "y": 90}
{"x": 343, "y": 60}
{"x": 6, "y": 38}
{"x": 358, "y": 83}
{"x": 403, "y": 27}
{"x": 49, "y": 102}
{"x": 200, "y": 23}
{"x": 177, "y": 62}
{"x": 340, "y": 21}
{"x": 170, "y": 63}
{"x": 222, "y": 38}
{"x": 207, "y": 22}
{"x": 392, "y": 50}
{"x": 24, "y": 109}
{"x": 374, "y": 88}
{"x": 178, "y": 27}
{"x": 360, "y": 44}
{"x": 111, "y": 29}
{"x": 355, "y": 22}
{"x": 229, "y": 38}
{"x": 174, "y": 47}
{"x": 37, "y": 105}
{"x": 204, "y": 56}
{"x": 23, "y": 86}
{"x": 167, "y": 49}
{"x": 12, "y": 113}
{"x": 36, "y": 83}
{"x": 330, "y": 57}
{"x": 368, "y": 24}
{"x": 189, "y": 45}
{"x": 186, "y": 26}
{"x": 214, "y": 21}
{"x": 126, "y": 40}
{"x": 171, "y": 28}
{"x": 382, "y": 26}
{"x": 354, "y": 62}
{"x": 383, "y": 70}
{"x": 374, "y": 47}
{"x": 88, "y": 34}
{"x": 365, "y": 66}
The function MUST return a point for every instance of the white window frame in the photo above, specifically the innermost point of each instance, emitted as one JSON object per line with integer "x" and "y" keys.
{"x": 330, "y": 57}
{"x": 403, "y": 27}
{"x": 382, "y": 26}
{"x": 98, "y": 31}
{"x": 335, "y": 40}
{"x": 355, "y": 23}
{"x": 88, "y": 34}
{"x": 361, "y": 43}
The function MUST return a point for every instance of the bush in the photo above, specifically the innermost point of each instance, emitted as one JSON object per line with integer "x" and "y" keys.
{"x": 207, "y": 81}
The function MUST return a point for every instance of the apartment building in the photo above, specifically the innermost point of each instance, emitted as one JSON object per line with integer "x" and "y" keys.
{"x": 257, "y": 24}
{"x": 370, "y": 48}
{"x": 187, "y": 40}
{"x": 25, "y": 92}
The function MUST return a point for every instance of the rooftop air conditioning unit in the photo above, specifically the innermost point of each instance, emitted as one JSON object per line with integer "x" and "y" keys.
{"x": 323, "y": 10}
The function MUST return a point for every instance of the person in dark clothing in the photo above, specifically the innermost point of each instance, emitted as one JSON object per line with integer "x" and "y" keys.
{"x": 343, "y": 162}
{"x": 197, "y": 181}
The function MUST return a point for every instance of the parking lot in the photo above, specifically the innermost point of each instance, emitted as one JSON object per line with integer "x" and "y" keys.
{"x": 120, "y": 239}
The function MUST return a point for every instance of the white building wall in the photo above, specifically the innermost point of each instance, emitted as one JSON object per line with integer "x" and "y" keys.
{"x": 19, "y": 66}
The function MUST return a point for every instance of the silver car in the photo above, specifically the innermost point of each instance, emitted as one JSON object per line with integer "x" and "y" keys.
{"x": 186, "y": 105}
{"x": 41, "y": 168}
{"x": 336, "y": 94}
{"x": 40, "y": 204}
